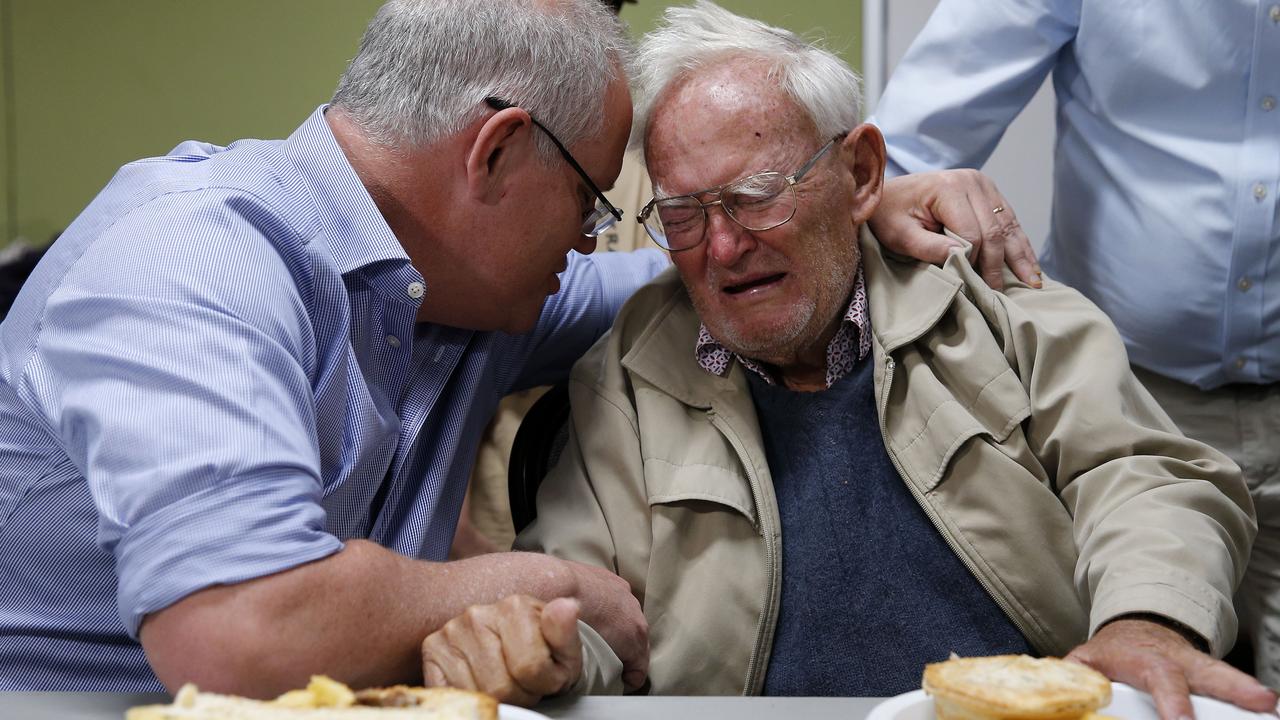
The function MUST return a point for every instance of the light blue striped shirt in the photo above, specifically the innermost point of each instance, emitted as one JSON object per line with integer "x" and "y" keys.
{"x": 214, "y": 374}
{"x": 1167, "y": 164}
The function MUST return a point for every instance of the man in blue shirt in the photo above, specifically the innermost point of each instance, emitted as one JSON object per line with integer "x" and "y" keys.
{"x": 1166, "y": 173}
{"x": 240, "y": 396}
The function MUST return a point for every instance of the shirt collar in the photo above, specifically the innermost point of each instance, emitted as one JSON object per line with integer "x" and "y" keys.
{"x": 850, "y": 344}
{"x": 356, "y": 233}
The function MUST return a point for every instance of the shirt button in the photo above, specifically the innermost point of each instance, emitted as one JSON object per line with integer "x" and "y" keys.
{"x": 393, "y": 341}
{"x": 1260, "y": 191}
{"x": 416, "y": 290}
{"x": 1268, "y": 103}
{"x": 1240, "y": 363}
{"x": 1244, "y": 284}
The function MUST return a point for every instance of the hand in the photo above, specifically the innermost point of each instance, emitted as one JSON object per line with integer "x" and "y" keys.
{"x": 915, "y": 208}
{"x": 517, "y": 650}
{"x": 1157, "y": 659}
{"x": 611, "y": 610}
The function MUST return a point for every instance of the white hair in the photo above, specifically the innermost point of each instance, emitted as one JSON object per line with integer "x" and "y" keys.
{"x": 425, "y": 67}
{"x": 699, "y": 35}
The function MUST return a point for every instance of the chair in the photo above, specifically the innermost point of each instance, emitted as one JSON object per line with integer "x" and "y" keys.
{"x": 538, "y": 443}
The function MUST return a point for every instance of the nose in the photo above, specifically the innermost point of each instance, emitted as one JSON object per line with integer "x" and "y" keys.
{"x": 727, "y": 241}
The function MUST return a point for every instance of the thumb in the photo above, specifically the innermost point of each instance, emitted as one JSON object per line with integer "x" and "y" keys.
{"x": 920, "y": 243}
{"x": 559, "y": 624}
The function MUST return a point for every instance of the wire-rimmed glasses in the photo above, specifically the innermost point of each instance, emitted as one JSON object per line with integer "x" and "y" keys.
{"x": 762, "y": 201}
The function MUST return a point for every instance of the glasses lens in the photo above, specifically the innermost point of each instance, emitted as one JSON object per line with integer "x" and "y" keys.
{"x": 760, "y": 202}
{"x": 679, "y": 220}
{"x": 598, "y": 220}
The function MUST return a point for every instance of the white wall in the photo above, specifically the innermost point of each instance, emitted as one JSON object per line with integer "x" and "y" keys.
{"x": 1022, "y": 164}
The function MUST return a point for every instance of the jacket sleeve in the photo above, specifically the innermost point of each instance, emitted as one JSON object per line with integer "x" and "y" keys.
{"x": 1162, "y": 523}
{"x": 968, "y": 73}
{"x": 592, "y": 507}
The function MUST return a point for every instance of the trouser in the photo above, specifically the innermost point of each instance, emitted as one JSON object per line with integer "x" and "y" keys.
{"x": 1242, "y": 421}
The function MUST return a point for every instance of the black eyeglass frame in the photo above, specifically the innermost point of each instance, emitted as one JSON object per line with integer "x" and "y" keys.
{"x": 599, "y": 225}
{"x": 792, "y": 180}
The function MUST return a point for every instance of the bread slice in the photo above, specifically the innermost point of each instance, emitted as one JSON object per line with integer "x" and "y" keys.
{"x": 325, "y": 699}
{"x": 1014, "y": 687}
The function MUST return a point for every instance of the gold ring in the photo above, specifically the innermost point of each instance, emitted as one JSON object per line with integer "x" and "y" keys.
{"x": 997, "y": 210}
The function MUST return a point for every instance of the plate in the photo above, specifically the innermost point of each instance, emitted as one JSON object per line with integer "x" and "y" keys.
{"x": 515, "y": 712}
{"x": 1126, "y": 703}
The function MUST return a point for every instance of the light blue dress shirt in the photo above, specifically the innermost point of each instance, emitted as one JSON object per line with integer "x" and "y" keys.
{"x": 215, "y": 374}
{"x": 1167, "y": 164}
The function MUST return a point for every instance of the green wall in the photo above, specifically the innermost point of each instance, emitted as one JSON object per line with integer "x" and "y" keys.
{"x": 88, "y": 85}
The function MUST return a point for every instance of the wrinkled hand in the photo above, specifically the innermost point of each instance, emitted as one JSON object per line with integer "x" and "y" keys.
{"x": 915, "y": 208}
{"x": 1158, "y": 660}
{"x": 517, "y": 650}
{"x": 611, "y": 610}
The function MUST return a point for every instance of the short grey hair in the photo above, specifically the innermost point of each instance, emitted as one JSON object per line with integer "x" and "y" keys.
{"x": 425, "y": 67}
{"x": 701, "y": 34}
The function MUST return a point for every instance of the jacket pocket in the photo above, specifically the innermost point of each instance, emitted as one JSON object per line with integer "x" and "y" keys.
{"x": 670, "y": 483}
{"x": 996, "y": 410}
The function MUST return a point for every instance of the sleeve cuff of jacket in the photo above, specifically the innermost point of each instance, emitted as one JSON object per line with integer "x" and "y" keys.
{"x": 1198, "y": 607}
{"x": 221, "y": 536}
{"x": 601, "y": 669}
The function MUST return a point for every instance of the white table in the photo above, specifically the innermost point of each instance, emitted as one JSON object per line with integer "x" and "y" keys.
{"x": 111, "y": 706}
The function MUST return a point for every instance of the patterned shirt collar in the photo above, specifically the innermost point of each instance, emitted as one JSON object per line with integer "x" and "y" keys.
{"x": 851, "y": 343}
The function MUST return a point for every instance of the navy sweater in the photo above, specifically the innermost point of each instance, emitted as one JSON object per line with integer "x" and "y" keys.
{"x": 870, "y": 590}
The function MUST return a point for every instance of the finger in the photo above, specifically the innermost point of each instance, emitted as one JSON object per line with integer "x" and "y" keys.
{"x": 559, "y": 625}
{"x": 528, "y": 656}
{"x": 432, "y": 675}
{"x": 1021, "y": 258}
{"x": 477, "y": 639}
{"x": 930, "y": 247}
{"x": 956, "y": 212}
{"x": 1218, "y": 679}
{"x": 1168, "y": 687}
{"x": 454, "y": 671}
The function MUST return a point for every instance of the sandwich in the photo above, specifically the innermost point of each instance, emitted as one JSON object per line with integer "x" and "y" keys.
{"x": 325, "y": 699}
{"x": 1015, "y": 687}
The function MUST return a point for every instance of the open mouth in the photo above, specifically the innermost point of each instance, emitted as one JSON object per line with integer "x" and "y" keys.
{"x": 753, "y": 284}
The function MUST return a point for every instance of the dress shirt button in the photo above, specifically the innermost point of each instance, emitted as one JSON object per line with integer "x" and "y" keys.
{"x": 1240, "y": 363}
{"x": 393, "y": 341}
{"x": 1260, "y": 191}
{"x": 1244, "y": 284}
{"x": 415, "y": 290}
{"x": 1268, "y": 103}
{"x": 1275, "y": 13}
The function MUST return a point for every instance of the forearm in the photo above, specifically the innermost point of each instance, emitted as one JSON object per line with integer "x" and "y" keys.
{"x": 359, "y": 616}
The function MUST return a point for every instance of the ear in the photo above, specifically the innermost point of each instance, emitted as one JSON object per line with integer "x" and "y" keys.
{"x": 863, "y": 153}
{"x": 501, "y": 147}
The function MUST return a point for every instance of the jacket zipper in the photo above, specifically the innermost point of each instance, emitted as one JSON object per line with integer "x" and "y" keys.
{"x": 931, "y": 513}
{"x": 766, "y": 529}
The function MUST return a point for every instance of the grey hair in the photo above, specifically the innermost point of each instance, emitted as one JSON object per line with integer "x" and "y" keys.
{"x": 425, "y": 67}
{"x": 699, "y": 35}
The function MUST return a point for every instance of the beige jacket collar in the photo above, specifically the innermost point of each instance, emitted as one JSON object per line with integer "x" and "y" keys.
{"x": 664, "y": 352}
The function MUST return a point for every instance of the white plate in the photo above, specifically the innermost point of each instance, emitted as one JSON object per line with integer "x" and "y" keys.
{"x": 514, "y": 712}
{"x": 1126, "y": 703}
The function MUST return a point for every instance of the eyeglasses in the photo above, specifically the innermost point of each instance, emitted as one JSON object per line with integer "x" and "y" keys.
{"x": 603, "y": 215}
{"x": 762, "y": 201}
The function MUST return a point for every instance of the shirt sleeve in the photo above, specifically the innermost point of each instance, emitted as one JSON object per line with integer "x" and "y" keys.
{"x": 594, "y": 288}
{"x": 175, "y": 362}
{"x": 966, "y": 76}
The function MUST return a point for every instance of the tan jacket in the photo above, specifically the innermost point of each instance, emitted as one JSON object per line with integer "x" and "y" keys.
{"x": 1013, "y": 418}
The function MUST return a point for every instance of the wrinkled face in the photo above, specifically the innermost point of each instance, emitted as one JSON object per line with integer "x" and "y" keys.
{"x": 546, "y": 222}
{"x": 770, "y": 294}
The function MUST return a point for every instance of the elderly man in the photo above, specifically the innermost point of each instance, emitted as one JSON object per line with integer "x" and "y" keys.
{"x": 820, "y": 466}
{"x": 240, "y": 396}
